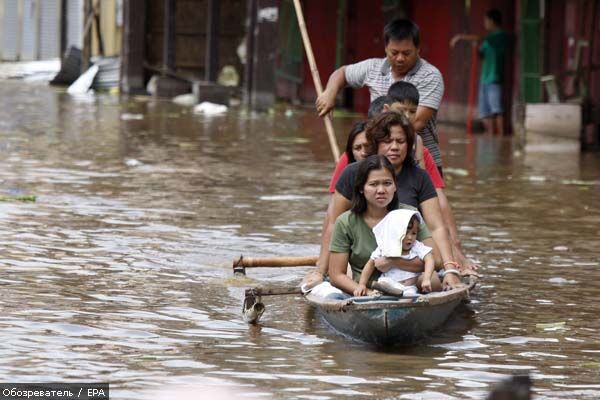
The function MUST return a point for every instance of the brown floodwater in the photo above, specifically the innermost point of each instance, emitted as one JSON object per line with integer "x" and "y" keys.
{"x": 120, "y": 271}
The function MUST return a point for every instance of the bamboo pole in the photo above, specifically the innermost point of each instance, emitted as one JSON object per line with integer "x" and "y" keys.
{"x": 316, "y": 79}
{"x": 257, "y": 262}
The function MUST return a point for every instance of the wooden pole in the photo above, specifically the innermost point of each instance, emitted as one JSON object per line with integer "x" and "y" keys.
{"x": 472, "y": 84}
{"x": 211, "y": 55}
{"x": 257, "y": 262}
{"x": 316, "y": 79}
{"x": 169, "y": 35}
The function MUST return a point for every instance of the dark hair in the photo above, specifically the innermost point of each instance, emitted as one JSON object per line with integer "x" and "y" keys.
{"x": 413, "y": 219}
{"x": 376, "y": 106}
{"x": 401, "y": 29}
{"x": 380, "y": 128}
{"x": 495, "y": 15}
{"x": 402, "y": 91}
{"x": 358, "y": 127}
{"x": 374, "y": 162}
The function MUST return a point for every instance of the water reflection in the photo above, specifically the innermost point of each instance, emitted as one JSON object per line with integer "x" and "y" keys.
{"x": 121, "y": 271}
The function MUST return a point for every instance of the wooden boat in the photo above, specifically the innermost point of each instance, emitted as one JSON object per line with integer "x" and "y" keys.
{"x": 380, "y": 320}
{"x": 388, "y": 320}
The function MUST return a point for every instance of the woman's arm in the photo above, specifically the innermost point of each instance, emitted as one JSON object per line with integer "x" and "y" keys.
{"x": 338, "y": 205}
{"x": 338, "y": 263}
{"x": 433, "y": 217}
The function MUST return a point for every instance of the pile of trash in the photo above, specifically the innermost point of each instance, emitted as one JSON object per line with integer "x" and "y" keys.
{"x": 102, "y": 74}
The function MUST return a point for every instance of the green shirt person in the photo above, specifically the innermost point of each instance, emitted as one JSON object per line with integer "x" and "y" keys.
{"x": 492, "y": 50}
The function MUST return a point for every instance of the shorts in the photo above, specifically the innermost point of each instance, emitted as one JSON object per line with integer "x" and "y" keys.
{"x": 490, "y": 99}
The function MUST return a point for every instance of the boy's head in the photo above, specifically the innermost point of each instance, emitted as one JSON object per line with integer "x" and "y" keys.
{"x": 411, "y": 233}
{"x": 493, "y": 19}
{"x": 376, "y": 106}
{"x": 403, "y": 97}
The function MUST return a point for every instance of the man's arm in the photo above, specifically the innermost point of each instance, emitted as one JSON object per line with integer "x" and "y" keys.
{"x": 424, "y": 114}
{"x": 464, "y": 36}
{"x": 326, "y": 101}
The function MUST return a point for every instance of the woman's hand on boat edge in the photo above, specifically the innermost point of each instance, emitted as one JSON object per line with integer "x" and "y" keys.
{"x": 451, "y": 281}
{"x": 311, "y": 279}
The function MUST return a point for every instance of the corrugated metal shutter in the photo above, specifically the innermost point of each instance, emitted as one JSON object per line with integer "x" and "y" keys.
{"x": 49, "y": 43}
{"x": 10, "y": 31}
{"x": 29, "y": 38}
{"x": 75, "y": 23}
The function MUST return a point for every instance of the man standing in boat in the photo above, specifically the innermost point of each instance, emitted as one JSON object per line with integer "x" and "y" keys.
{"x": 402, "y": 62}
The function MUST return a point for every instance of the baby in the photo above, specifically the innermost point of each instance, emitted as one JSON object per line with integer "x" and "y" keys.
{"x": 396, "y": 236}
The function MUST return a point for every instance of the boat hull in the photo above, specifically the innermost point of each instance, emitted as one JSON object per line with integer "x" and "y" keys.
{"x": 389, "y": 320}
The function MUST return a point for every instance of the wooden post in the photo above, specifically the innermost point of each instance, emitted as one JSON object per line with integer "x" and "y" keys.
{"x": 263, "y": 56}
{"x": 134, "y": 32}
{"x": 249, "y": 65}
{"x": 212, "y": 40}
{"x": 98, "y": 30}
{"x": 169, "y": 36}
{"x": 87, "y": 36}
{"x": 63, "y": 29}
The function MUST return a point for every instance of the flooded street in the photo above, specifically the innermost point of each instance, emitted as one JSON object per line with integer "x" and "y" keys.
{"x": 120, "y": 271}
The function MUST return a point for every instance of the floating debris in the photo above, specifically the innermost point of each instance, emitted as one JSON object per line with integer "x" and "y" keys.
{"x": 84, "y": 82}
{"x": 130, "y": 117}
{"x": 456, "y": 171}
{"x": 23, "y": 199}
{"x": 535, "y": 178}
{"x": 132, "y": 162}
{"x": 188, "y": 99}
{"x": 560, "y": 248}
{"x": 560, "y": 281}
{"x": 578, "y": 182}
{"x": 209, "y": 108}
{"x": 553, "y": 326}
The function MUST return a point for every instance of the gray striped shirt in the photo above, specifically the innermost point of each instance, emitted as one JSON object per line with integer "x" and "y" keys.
{"x": 376, "y": 74}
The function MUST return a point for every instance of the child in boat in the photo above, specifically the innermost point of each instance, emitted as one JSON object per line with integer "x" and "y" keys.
{"x": 396, "y": 236}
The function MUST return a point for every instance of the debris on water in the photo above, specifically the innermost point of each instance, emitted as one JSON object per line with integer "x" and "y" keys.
{"x": 84, "y": 82}
{"x": 578, "y": 182}
{"x": 129, "y": 117}
{"x": 132, "y": 162}
{"x": 188, "y": 99}
{"x": 228, "y": 76}
{"x": 298, "y": 140}
{"x": 553, "y": 326}
{"x": 289, "y": 113}
{"x": 284, "y": 197}
{"x": 209, "y": 108}
{"x": 457, "y": 171}
{"x": 536, "y": 178}
{"x": 341, "y": 113}
{"x": 559, "y": 280}
{"x": 23, "y": 199}
{"x": 560, "y": 248}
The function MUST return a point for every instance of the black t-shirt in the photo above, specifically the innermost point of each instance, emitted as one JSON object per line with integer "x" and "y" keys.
{"x": 413, "y": 185}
